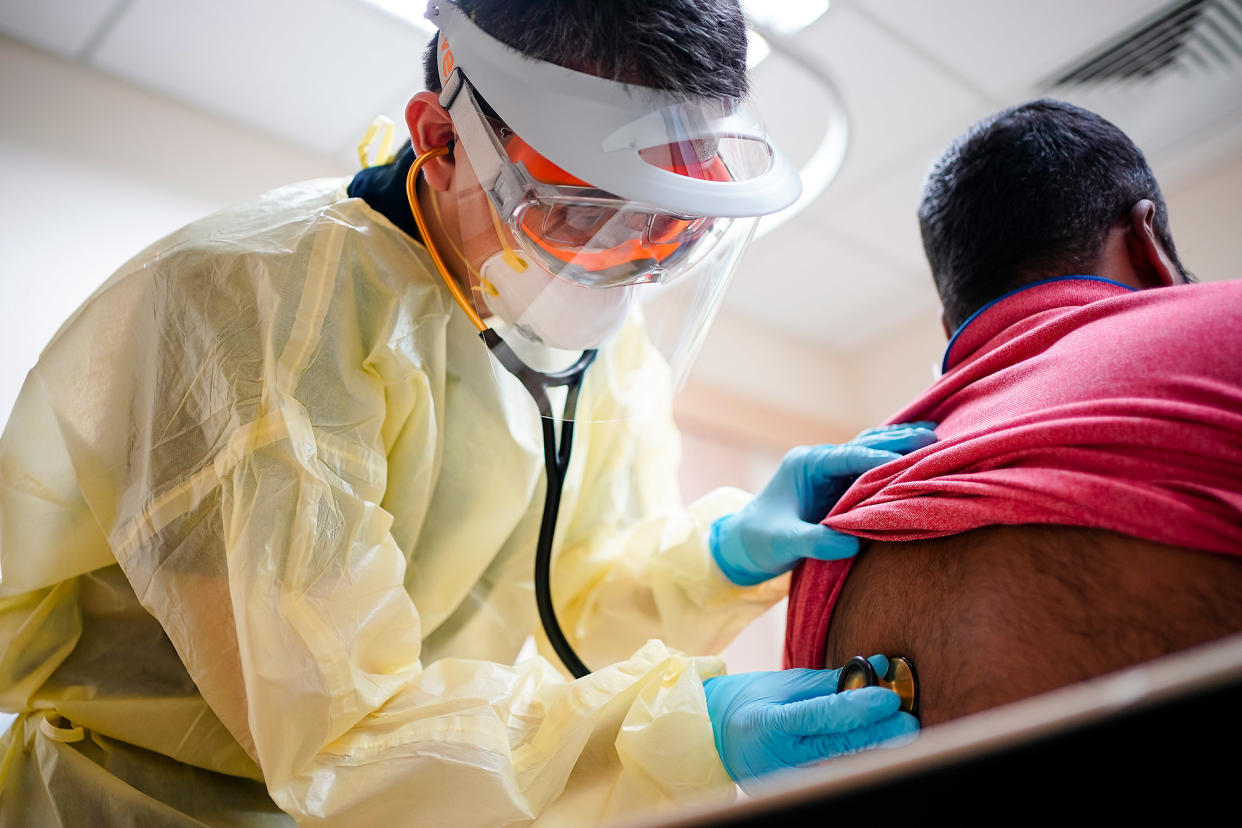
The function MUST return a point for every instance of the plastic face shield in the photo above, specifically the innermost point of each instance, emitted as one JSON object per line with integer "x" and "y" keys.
{"x": 603, "y": 203}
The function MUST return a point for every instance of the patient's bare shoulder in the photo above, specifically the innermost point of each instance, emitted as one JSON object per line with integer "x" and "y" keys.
{"x": 1004, "y": 612}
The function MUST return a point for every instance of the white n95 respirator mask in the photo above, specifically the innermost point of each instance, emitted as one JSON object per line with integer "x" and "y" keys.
{"x": 550, "y": 310}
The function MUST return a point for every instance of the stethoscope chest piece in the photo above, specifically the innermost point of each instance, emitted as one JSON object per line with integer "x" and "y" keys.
{"x": 900, "y": 678}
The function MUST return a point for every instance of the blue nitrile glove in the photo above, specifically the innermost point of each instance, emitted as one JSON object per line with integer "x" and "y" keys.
{"x": 764, "y": 722}
{"x": 781, "y": 525}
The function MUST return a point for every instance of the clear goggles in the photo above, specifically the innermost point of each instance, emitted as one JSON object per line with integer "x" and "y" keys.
{"x": 595, "y": 238}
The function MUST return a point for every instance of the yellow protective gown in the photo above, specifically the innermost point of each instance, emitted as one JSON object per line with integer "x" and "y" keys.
{"x": 267, "y": 526}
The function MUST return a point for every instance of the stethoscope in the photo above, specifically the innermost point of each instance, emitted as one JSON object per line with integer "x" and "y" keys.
{"x": 555, "y": 453}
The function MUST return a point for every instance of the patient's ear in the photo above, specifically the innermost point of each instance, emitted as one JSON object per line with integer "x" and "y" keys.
{"x": 1151, "y": 262}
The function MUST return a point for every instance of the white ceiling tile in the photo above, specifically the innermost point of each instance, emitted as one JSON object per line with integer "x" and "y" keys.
{"x": 895, "y": 99}
{"x": 1006, "y": 47}
{"x": 882, "y": 216}
{"x": 821, "y": 287}
{"x": 1169, "y": 113}
{"x": 794, "y": 106}
{"x": 313, "y": 71}
{"x": 878, "y": 211}
{"x": 60, "y": 26}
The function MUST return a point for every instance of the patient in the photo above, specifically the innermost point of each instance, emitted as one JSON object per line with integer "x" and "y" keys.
{"x": 1082, "y": 510}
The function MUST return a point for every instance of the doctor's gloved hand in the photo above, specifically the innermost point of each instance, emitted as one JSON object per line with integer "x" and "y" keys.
{"x": 764, "y": 722}
{"x": 781, "y": 525}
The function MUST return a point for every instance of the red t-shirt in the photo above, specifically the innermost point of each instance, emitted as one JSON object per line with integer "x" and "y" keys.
{"x": 1076, "y": 401}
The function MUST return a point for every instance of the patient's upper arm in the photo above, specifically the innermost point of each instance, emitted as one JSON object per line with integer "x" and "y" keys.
{"x": 1004, "y": 612}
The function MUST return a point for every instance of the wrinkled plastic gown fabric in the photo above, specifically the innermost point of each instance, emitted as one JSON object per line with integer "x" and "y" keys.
{"x": 267, "y": 525}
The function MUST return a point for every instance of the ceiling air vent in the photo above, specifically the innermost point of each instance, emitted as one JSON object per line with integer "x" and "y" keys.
{"x": 1202, "y": 35}
{"x": 1173, "y": 82}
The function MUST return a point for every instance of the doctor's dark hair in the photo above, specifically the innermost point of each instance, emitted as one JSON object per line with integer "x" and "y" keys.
{"x": 691, "y": 47}
{"x": 1027, "y": 194}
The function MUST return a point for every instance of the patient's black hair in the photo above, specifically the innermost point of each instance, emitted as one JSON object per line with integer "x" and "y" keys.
{"x": 693, "y": 47}
{"x": 1027, "y": 194}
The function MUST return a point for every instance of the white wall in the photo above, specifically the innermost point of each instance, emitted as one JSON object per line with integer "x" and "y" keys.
{"x": 1206, "y": 215}
{"x": 94, "y": 170}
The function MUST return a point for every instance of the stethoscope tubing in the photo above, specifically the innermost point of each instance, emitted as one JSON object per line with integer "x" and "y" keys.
{"x": 556, "y": 462}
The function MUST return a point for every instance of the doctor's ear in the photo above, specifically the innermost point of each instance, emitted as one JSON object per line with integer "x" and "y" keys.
{"x": 431, "y": 127}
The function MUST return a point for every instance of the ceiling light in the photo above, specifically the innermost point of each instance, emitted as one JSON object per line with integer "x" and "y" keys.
{"x": 756, "y": 49}
{"x": 408, "y": 11}
{"x": 784, "y": 16}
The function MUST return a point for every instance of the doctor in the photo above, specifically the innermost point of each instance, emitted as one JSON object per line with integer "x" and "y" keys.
{"x": 271, "y": 499}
